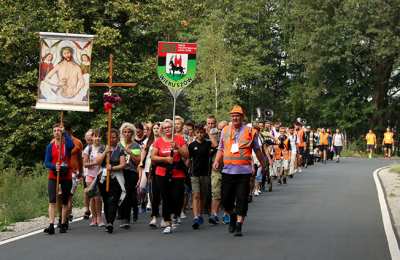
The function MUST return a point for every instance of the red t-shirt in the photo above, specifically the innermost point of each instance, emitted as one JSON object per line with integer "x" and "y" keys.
{"x": 164, "y": 150}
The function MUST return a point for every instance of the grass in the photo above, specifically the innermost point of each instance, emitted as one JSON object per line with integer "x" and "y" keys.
{"x": 395, "y": 168}
{"x": 24, "y": 196}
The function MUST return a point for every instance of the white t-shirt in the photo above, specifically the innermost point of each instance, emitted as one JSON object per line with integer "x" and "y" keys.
{"x": 338, "y": 140}
{"x": 92, "y": 151}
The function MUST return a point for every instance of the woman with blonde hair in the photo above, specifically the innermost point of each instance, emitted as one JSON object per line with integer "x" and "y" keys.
{"x": 131, "y": 173}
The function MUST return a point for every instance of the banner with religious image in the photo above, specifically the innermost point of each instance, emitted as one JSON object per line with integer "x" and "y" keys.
{"x": 64, "y": 71}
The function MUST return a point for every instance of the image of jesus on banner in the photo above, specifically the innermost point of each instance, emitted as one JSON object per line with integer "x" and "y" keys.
{"x": 64, "y": 71}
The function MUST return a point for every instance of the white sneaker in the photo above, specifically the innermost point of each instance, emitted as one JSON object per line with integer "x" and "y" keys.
{"x": 167, "y": 230}
{"x": 163, "y": 224}
{"x": 300, "y": 170}
{"x": 183, "y": 215}
{"x": 148, "y": 206}
{"x": 256, "y": 193}
{"x": 176, "y": 221}
{"x": 153, "y": 222}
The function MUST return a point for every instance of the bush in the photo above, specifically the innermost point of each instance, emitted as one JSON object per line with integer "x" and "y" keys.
{"x": 24, "y": 196}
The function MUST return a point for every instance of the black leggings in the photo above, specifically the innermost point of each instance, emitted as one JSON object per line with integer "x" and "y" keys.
{"x": 236, "y": 188}
{"x": 66, "y": 186}
{"x": 110, "y": 199}
{"x": 172, "y": 194}
{"x": 155, "y": 196}
{"x": 130, "y": 201}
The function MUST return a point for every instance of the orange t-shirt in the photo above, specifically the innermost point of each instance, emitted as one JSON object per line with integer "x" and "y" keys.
{"x": 323, "y": 138}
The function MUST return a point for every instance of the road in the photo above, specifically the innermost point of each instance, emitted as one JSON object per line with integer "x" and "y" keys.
{"x": 327, "y": 212}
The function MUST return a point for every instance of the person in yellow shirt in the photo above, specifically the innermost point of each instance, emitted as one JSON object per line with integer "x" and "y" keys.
{"x": 323, "y": 144}
{"x": 371, "y": 142}
{"x": 388, "y": 142}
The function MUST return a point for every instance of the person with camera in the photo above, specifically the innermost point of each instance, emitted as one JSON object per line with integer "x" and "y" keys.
{"x": 235, "y": 149}
{"x": 57, "y": 160}
{"x": 282, "y": 155}
{"x": 168, "y": 154}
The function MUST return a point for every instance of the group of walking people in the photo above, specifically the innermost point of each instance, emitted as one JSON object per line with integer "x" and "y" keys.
{"x": 214, "y": 168}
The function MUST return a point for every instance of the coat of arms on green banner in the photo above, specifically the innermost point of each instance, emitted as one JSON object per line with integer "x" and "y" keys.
{"x": 176, "y": 64}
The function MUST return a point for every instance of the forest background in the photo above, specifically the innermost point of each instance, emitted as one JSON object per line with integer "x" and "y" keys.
{"x": 334, "y": 63}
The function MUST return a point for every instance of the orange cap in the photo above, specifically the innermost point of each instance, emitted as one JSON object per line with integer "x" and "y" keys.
{"x": 237, "y": 110}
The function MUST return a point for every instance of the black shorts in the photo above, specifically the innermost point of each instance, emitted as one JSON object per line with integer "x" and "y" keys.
{"x": 370, "y": 146}
{"x": 66, "y": 186}
{"x": 323, "y": 147}
{"x": 388, "y": 146}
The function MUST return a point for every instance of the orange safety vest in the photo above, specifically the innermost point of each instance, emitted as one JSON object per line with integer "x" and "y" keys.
{"x": 245, "y": 141}
{"x": 282, "y": 153}
{"x": 300, "y": 138}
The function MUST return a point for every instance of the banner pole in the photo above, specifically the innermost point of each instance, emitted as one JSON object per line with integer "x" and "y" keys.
{"x": 173, "y": 117}
{"x": 60, "y": 153}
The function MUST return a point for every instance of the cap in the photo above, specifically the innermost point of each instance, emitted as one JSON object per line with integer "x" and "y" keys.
{"x": 237, "y": 110}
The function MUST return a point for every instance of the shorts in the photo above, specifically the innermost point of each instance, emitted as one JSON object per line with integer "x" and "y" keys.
{"x": 323, "y": 148}
{"x": 370, "y": 146}
{"x": 388, "y": 146}
{"x": 337, "y": 149}
{"x": 66, "y": 186}
{"x": 281, "y": 164}
{"x": 216, "y": 182}
{"x": 201, "y": 184}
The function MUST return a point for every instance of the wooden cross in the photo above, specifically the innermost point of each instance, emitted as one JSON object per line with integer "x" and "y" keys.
{"x": 110, "y": 85}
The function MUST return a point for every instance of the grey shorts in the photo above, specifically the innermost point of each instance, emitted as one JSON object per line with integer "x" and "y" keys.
{"x": 201, "y": 184}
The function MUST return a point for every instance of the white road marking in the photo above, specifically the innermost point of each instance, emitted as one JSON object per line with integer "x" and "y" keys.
{"x": 30, "y": 234}
{"x": 387, "y": 221}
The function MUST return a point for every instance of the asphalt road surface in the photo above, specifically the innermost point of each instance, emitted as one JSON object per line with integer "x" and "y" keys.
{"x": 327, "y": 212}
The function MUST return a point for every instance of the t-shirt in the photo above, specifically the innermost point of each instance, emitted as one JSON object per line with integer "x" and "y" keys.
{"x": 164, "y": 150}
{"x": 135, "y": 149}
{"x": 116, "y": 154}
{"x": 52, "y": 156}
{"x": 200, "y": 155}
{"x": 388, "y": 138}
{"x": 323, "y": 138}
{"x": 92, "y": 152}
{"x": 293, "y": 141}
{"x": 371, "y": 138}
{"x": 338, "y": 140}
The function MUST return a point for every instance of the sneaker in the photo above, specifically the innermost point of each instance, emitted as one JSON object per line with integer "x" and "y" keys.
{"x": 238, "y": 230}
{"x": 101, "y": 224}
{"x": 109, "y": 228}
{"x": 300, "y": 170}
{"x": 87, "y": 214}
{"x": 153, "y": 222}
{"x": 201, "y": 220}
{"x": 226, "y": 219}
{"x": 213, "y": 220}
{"x": 196, "y": 223}
{"x": 148, "y": 206}
{"x": 167, "y": 230}
{"x": 232, "y": 223}
{"x": 70, "y": 218}
{"x": 256, "y": 193}
{"x": 176, "y": 221}
{"x": 183, "y": 215}
{"x": 93, "y": 224}
{"x": 49, "y": 230}
{"x": 63, "y": 228}
{"x": 163, "y": 224}
{"x": 125, "y": 226}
